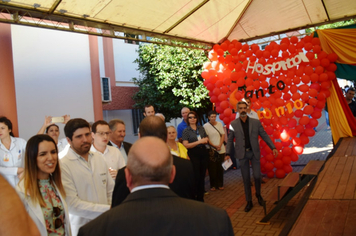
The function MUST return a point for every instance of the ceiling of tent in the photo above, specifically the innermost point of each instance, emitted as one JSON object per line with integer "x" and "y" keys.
{"x": 195, "y": 21}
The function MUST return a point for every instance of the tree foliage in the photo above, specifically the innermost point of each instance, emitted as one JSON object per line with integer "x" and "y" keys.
{"x": 170, "y": 78}
{"x": 332, "y": 25}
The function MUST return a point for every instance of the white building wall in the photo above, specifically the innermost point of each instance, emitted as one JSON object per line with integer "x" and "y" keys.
{"x": 124, "y": 56}
{"x": 52, "y": 76}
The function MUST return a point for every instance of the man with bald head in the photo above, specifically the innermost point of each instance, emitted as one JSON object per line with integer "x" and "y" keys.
{"x": 183, "y": 184}
{"x": 152, "y": 208}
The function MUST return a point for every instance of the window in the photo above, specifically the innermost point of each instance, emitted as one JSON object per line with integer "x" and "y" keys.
{"x": 105, "y": 89}
{"x": 137, "y": 117}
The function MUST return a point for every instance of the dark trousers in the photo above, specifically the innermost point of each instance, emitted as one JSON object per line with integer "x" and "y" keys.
{"x": 245, "y": 172}
{"x": 199, "y": 158}
{"x": 216, "y": 172}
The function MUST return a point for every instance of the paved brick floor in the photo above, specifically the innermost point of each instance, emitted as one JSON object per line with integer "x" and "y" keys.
{"x": 232, "y": 199}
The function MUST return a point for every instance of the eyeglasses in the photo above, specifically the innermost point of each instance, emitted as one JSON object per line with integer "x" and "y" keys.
{"x": 102, "y": 134}
{"x": 191, "y": 117}
{"x": 57, "y": 222}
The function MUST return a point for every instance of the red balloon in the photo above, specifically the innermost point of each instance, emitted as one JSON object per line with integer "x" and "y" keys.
{"x": 293, "y": 133}
{"x": 270, "y": 174}
{"x": 308, "y": 109}
{"x": 325, "y": 62}
{"x": 227, "y": 112}
{"x": 276, "y": 134}
{"x": 306, "y": 78}
{"x": 269, "y": 166}
{"x": 296, "y": 96}
{"x": 280, "y": 173}
{"x": 298, "y": 149}
{"x": 224, "y": 104}
{"x": 278, "y": 164}
{"x": 269, "y": 130}
{"x": 296, "y": 141}
{"x": 303, "y": 88}
{"x": 284, "y": 136}
{"x": 292, "y": 123}
{"x": 304, "y": 139}
{"x": 316, "y": 114}
{"x": 294, "y": 39}
{"x": 298, "y": 113}
{"x": 286, "y": 160}
{"x": 314, "y": 78}
{"x": 315, "y": 62}
{"x": 224, "y": 89}
{"x": 300, "y": 128}
{"x": 294, "y": 157}
{"x": 286, "y": 151}
{"x": 222, "y": 97}
{"x": 287, "y": 168}
{"x": 269, "y": 157}
{"x": 278, "y": 145}
{"x": 313, "y": 122}
{"x": 304, "y": 120}
{"x": 332, "y": 57}
{"x": 309, "y": 132}
{"x": 214, "y": 99}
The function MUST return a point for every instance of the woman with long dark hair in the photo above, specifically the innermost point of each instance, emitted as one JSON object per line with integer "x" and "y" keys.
{"x": 41, "y": 188}
{"x": 12, "y": 152}
{"x": 195, "y": 140}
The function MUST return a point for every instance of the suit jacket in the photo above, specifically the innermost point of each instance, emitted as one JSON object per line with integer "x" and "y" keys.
{"x": 255, "y": 130}
{"x": 183, "y": 183}
{"x": 127, "y": 146}
{"x": 35, "y": 210}
{"x": 158, "y": 211}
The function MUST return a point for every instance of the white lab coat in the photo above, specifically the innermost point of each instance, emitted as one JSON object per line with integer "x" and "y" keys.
{"x": 11, "y": 159}
{"x": 88, "y": 187}
{"x": 112, "y": 157}
{"x": 35, "y": 210}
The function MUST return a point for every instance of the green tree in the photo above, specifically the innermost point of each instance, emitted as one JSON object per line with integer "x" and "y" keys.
{"x": 332, "y": 25}
{"x": 171, "y": 79}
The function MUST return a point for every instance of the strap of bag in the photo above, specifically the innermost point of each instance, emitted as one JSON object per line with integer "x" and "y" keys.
{"x": 215, "y": 128}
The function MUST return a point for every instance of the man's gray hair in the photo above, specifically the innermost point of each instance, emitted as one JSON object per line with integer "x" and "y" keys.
{"x": 113, "y": 123}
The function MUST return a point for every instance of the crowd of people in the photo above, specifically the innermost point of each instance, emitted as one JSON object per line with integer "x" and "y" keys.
{"x": 94, "y": 183}
{"x": 64, "y": 184}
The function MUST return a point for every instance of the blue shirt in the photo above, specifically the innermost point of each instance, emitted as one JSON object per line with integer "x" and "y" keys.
{"x": 182, "y": 125}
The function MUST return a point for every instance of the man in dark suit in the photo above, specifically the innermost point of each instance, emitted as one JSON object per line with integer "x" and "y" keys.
{"x": 152, "y": 208}
{"x": 118, "y": 133}
{"x": 183, "y": 184}
{"x": 246, "y": 131}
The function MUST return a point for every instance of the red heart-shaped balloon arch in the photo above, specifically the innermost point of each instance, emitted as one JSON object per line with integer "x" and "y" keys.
{"x": 288, "y": 84}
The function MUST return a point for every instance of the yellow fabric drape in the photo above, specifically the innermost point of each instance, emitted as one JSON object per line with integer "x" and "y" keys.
{"x": 340, "y": 41}
{"x": 338, "y": 122}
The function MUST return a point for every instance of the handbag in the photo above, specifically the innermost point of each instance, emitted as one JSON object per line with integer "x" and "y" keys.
{"x": 213, "y": 154}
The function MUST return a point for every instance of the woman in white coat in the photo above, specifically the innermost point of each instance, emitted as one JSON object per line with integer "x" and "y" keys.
{"x": 12, "y": 152}
{"x": 52, "y": 130}
{"x": 41, "y": 188}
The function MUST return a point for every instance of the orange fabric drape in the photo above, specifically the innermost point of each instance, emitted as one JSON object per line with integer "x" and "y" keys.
{"x": 340, "y": 41}
{"x": 338, "y": 121}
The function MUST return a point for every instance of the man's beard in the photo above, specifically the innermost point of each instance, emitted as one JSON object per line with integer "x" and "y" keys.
{"x": 243, "y": 114}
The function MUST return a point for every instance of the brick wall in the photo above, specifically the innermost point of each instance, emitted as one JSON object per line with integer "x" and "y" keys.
{"x": 121, "y": 98}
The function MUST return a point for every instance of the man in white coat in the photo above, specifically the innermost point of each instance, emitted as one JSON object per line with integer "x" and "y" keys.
{"x": 100, "y": 132}
{"x": 85, "y": 176}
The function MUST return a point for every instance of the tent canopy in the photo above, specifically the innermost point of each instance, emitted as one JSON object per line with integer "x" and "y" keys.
{"x": 194, "y": 21}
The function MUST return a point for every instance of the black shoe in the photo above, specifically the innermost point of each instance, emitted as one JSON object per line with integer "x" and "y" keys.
{"x": 260, "y": 200}
{"x": 248, "y": 206}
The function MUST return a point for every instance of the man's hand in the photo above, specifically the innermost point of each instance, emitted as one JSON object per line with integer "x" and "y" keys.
{"x": 113, "y": 173}
{"x": 275, "y": 152}
{"x": 227, "y": 157}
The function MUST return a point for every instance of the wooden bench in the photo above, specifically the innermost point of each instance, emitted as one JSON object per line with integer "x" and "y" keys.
{"x": 289, "y": 181}
{"x": 312, "y": 168}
